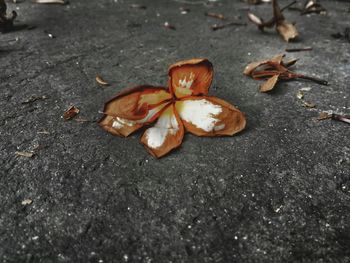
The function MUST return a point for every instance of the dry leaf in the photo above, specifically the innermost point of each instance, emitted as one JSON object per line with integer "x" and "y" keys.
{"x": 101, "y": 81}
{"x": 273, "y": 70}
{"x": 6, "y": 21}
{"x": 70, "y": 113}
{"x": 184, "y": 105}
{"x": 25, "y": 154}
{"x": 287, "y": 30}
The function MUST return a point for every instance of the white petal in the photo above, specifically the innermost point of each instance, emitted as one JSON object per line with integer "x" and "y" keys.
{"x": 201, "y": 113}
{"x": 166, "y": 124}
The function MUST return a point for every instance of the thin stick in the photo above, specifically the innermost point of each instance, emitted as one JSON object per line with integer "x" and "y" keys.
{"x": 216, "y": 27}
{"x": 298, "y": 49}
{"x": 314, "y": 79}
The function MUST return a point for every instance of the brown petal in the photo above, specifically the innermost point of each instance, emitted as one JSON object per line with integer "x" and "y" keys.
{"x": 133, "y": 108}
{"x": 287, "y": 30}
{"x": 190, "y": 77}
{"x": 165, "y": 135}
{"x": 269, "y": 84}
{"x": 252, "y": 66}
{"x": 210, "y": 116}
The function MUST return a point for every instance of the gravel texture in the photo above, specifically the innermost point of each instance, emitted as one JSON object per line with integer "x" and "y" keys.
{"x": 277, "y": 192}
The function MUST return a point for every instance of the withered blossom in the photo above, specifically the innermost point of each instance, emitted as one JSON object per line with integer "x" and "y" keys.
{"x": 70, "y": 113}
{"x": 184, "y": 105}
{"x": 6, "y": 21}
{"x": 286, "y": 29}
{"x": 275, "y": 69}
{"x": 312, "y": 6}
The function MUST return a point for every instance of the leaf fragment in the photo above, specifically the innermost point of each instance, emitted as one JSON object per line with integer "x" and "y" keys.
{"x": 25, "y": 154}
{"x": 101, "y": 81}
{"x": 70, "y": 113}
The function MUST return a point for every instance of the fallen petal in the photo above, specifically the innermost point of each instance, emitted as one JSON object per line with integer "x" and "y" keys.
{"x": 190, "y": 77}
{"x": 269, "y": 84}
{"x": 165, "y": 135}
{"x": 210, "y": 116}
{"x": 287, "y": 30}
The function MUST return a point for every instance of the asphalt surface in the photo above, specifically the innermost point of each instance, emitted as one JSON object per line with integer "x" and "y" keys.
{"x": 277, "y": 192}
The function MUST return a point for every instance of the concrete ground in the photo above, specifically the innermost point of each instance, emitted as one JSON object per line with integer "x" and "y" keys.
{"x": 277, "y": 192}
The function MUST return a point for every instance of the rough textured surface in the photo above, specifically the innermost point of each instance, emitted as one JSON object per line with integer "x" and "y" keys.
{"x": 277, "y": 192}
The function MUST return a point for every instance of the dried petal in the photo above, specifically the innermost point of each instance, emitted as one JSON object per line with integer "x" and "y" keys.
{"x": 287, "y": 30}
{"x": 255, "y": 19}
{"x": 269, "y": 84}
{"x": 133, "y": 108}
{"x": 190, "y": 77}
{"x": 165, "y": 135}
{"x": 70, "y": 113}
{"x": 210, "y": 116}
{"x": 101, "y": 81}
{"x": 25, "y": 154}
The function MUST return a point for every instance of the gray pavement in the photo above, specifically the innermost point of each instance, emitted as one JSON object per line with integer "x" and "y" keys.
{"x": 277, "y": 192}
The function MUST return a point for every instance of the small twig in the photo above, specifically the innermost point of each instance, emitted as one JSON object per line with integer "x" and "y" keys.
{"x": 217, "y": 27}
{"x": 314, "y": 79}
{"x": 342, "y": 118}
{"x": 216, "y": 15}
{"x": 298, "y": 49}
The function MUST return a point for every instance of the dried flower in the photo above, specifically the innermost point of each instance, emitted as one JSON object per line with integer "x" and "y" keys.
{"x": 185, "y": 105}
{"x": 286, "y": 29}
{"x": 6, "y": 22}
{"x": 274, "y": 70}
{"x": 70, "y": 113}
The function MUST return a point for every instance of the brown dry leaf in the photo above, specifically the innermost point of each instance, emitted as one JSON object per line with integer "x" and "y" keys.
{"x": 25, "y": 154}
{"x": 287, "y": 30}
{"x": 70, "y": 113}
{"x": 101, "y": 81}
{"x": 269, "y": 84}
{"x": 6, "y": 21}
{"x": 275, "y": 69}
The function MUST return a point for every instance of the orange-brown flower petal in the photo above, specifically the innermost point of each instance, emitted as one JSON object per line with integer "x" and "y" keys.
{"x": 165, "y": 135}
{"x": 190, "y": 77}
{"x": 131, "y": 109}
{"x": 269, "y": 84}
{"x": 210, "y": 116}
